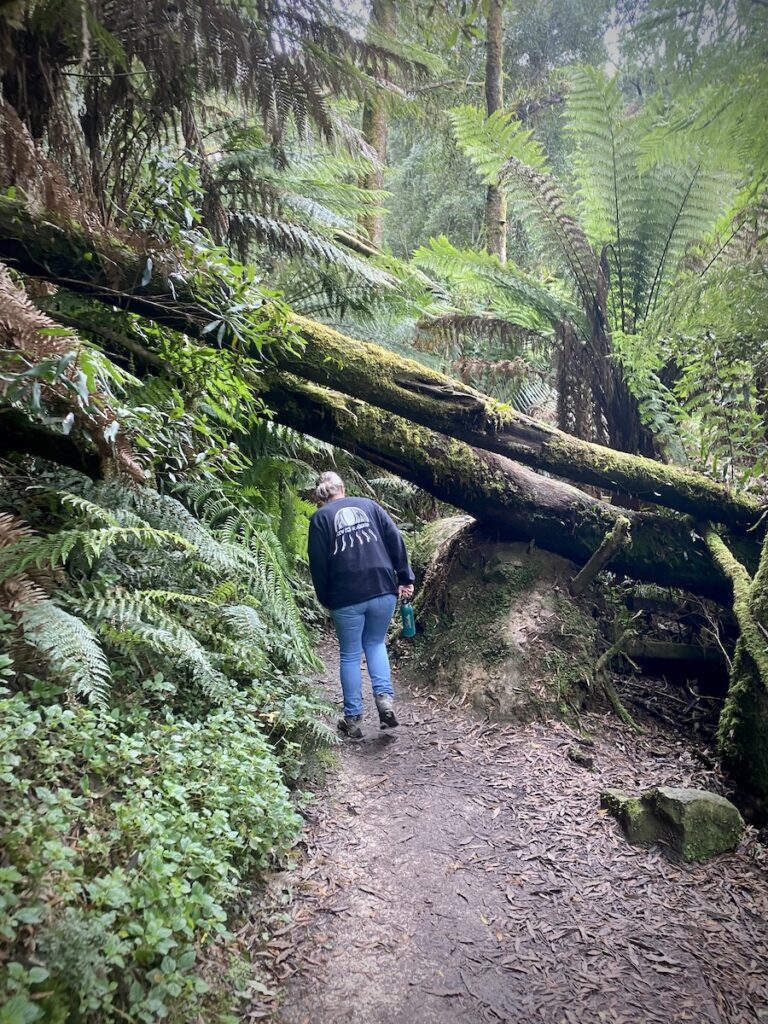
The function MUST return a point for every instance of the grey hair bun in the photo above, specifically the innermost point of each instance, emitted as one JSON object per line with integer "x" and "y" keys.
{"x": 328, "y": 485}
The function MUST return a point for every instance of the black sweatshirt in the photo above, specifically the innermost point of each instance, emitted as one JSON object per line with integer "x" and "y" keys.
{"x": 355, "y": 553}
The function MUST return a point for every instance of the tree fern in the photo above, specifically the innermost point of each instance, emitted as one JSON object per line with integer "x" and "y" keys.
{"x": 617, "y": 242}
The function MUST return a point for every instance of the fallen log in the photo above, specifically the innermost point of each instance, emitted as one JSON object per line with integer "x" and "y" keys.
{"x": 111, "y": 270}
{"x": 644, "y": 649}
{"x": 519, "y": 502}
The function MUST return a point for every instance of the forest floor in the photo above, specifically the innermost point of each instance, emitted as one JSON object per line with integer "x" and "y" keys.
{"x": 460, "y": 871}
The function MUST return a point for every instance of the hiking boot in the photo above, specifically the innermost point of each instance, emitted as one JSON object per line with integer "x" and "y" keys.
{"x": 350, "y": 726}
{"x": 385, "y": 705}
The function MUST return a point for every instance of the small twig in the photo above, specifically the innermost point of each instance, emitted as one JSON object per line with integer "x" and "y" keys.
{"x": 601, "y": 675}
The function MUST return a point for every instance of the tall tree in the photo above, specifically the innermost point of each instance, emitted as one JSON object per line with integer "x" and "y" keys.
{"x": 375, "y": 124}
{"x": 495, "y": 202}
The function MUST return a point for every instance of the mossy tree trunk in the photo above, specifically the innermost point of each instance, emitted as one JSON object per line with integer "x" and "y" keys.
{"x": 743, "y": 729}
{"x": 501, "y": 493}
{"x": 111, "y": 271}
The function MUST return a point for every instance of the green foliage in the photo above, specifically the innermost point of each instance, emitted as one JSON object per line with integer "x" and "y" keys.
{"x": 713, "y": 329}
{"x": 520, "y": 297}
{"x": 125, "y": 834}
{"x": 644, "y": 222}
{"x": 490, "y": 142}
{"x": 617, "y": 240}
{"x": 498, "y": 331}
{"x": 706, "y": 63}
{"x": 283, "y": 63}
{"x": 155, "y": 719}
{"x": 69, "y": 647}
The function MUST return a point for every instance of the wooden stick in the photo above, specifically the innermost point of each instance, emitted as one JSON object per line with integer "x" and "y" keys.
{"x": 612, "y": 543}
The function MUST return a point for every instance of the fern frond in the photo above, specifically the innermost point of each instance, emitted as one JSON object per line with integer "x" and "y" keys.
{"x": 89, "y": 510}
{"x": 540, "y": 195}
{"x": 57, "y": 548}
{"x": 295, "y": 240}
{"x": 246, "y": 623}
{"x": 70, "y": 648}
{"x": 481, "y": 275}
{"x": 482, "y": 326}
{"x": 121, "y": 621}
{"x": 490, "y": 142}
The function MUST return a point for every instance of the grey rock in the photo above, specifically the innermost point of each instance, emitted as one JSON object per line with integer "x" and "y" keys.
{"x": 694, "y": 823}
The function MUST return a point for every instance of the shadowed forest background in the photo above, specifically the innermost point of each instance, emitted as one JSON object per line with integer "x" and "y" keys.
{"x": 481, "y": 258}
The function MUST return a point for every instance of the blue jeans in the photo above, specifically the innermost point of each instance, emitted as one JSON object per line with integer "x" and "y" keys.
{"x": 363, "y": 627}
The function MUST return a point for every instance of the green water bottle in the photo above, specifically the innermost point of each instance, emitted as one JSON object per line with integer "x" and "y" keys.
{"x": 409, "y": 621}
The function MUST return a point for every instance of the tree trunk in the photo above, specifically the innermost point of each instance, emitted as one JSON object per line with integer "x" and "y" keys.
{"x": 108, "y": 270}
{"x": 743, "y": 726}
{"x": 499, "y": 492}
{"x": 425, "y": 396}
{"x": 383, "y": 16}
{"x": 495, "y": 200}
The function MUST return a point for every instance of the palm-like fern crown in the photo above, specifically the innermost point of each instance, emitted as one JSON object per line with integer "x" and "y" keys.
{"x": 282, "y": 59}
{"x": 162, "y": 86}
{"x": 642, "y": 220}
{"x": 620, "y": 224}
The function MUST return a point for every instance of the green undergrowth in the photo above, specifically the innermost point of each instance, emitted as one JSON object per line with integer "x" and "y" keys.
{"x": 156, "y": 727}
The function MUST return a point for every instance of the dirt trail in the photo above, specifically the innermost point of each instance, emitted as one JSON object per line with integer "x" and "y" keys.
{"x": 462, "y": 871}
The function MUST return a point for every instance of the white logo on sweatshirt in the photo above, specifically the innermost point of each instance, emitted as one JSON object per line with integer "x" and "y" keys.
{"x": 352, "y": 524}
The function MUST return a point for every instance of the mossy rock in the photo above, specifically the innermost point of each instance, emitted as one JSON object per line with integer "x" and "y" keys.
{"x": 694, "y": 823}
{"x": 497, "y": 623}
{"x": 635, "y": 817}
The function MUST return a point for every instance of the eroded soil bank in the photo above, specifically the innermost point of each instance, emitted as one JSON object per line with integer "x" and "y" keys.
{"x": 462, "y": 871}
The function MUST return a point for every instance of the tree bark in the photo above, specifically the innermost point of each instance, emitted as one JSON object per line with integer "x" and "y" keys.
{"x": 518, "y": 502}
{"x": 109, "y": 270}
{"x": 410, "y": 389}
{"x": 495, "y": 199}
{"x": 375, "y": 124}
{"x": 743, "y": 725}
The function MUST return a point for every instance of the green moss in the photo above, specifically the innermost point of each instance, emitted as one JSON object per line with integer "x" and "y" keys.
{"x": 743, "y": 729}
{"x": 431, "y": 536}
{"x": 495, "y": 626}
{"x": 696, "y": 824}
{"x": 636, "y": 818}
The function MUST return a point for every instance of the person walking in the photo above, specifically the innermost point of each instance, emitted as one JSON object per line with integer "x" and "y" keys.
{"x": 359, "y": 568}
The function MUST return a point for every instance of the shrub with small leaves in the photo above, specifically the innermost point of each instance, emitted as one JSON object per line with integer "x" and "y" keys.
{"x": 125, "y": 834}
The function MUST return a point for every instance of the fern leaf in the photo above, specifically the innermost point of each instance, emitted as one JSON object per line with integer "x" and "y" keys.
{"x": 70, "y": 648}
{"x": 490, "y": 142}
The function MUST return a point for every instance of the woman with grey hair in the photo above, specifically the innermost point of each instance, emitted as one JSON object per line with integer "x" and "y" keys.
{"x": 359, "y": 567}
